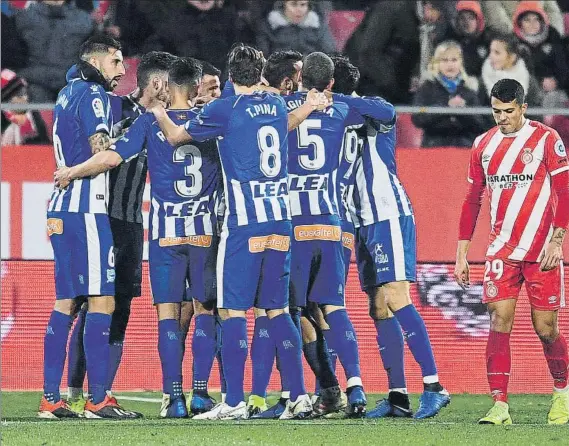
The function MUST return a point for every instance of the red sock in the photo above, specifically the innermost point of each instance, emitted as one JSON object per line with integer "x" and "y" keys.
{"x": 557, "y": 360}
{"x": 498, "y": 364}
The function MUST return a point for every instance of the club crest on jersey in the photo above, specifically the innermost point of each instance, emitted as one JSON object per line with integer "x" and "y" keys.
{"x": 560, "y": 148}
{"x": 98, "y": 108}
{"x": 54, "y": 226}
{"x": 491, "y": 289}
{"x": 526, "y": 156}
{"x": 380, "y": 256}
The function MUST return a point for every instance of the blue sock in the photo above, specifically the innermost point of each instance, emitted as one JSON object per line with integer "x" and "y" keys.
{"x": 54, "y": 351}
{"x": 331, "y": 351}
{"x": 285, "y": 385}
{"x": 390, "y": 342}
{"x": 417, "y": 338}
{"x": 289, "y": 350}
{"x": 262, "y": 355}
{"x": 222, "y": 383}
{"x": 234, "y": 354}
{"x": 204, "y": 347}
{"x": 119, "y": 322}
{"x": 76, "y": 365}
{"x": 170, "y": 351}
{"x": 331, "y": 354}
{"x": 344, "y": 342}
{"x": 96, "y": 343}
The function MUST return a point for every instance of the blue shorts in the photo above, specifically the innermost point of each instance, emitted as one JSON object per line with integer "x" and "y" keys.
{"x": 83, "y": 251}
{"x": 253, "y": 266}
{"x": 387, "y": 252}
{"x": 348, "y": 242}
{"x": 317, "y": 272}
{"x": 183, "y": 271}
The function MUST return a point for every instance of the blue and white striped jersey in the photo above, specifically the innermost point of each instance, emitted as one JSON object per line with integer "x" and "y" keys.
{"x": 314, "y": 157}
{"x": 378, "y": 193}
{"x": 185, "y": 181}
{"x": 351, "y": 148}
{"x": 251, "y": 132}
{"x": 82, "y": 109}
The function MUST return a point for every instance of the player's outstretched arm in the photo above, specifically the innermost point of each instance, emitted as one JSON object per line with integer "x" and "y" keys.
{"x": 314, "y": 101}
{"x": 175, "y": 134}
{"x": 98, "y": 163}
{"x": 372, "y": 107}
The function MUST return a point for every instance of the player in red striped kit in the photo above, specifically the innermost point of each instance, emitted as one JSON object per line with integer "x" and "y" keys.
{"x": 523, "y": 166}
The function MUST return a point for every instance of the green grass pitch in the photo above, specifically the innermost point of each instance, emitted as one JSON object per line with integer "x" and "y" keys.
{"x": 456, "y": 425}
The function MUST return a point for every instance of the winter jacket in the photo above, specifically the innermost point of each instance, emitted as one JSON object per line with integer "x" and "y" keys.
{"x": 54, "y": 35}
{"x": 278, "y": 33}
{"x": 448, "y": 130}
{"x": 549, "y": 57}
{"x": 475, "y": 47}
{"x": 499, "y": 14}
{"x": 183, "y": 30}
{"x": 518, "y": 72}
{"x": 385, "y": 47}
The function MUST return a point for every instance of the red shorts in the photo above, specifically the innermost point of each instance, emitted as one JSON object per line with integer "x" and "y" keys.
{"x": 503, "y": 279}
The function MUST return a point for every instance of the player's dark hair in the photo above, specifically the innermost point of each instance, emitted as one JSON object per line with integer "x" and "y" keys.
{"x": 209, "y": 69}
{"x": 279, "y": 66}
{"x": 185, "y": 72}
{"x": 245, "y": 65}
{"x": 152, "y": 63}
{"x": 317, "y": 71}
{"x": 346, "y": 75}
{"x": 100, "y": 43}
{"x": 508, "y": 90}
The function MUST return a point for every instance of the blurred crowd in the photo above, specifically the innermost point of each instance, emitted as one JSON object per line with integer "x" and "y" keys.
{"x": 439, "y": 53}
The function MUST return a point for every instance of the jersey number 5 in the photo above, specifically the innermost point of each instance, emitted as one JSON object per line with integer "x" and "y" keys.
{"x": 193, "y": 185}
{"x": 305, "y": 140}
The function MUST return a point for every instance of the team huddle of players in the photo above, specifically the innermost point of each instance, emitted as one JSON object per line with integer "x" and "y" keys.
{"x": 258, "y": 198}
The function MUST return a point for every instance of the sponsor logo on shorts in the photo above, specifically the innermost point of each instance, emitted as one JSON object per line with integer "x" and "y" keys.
{"x": 348, "y": 240}
{"x": 81, "y": 279}
{"x": 263, "y": 333}
{"x": 491, "y": 289}
{"x": 340, "y": 290}
{"x": 552, "y": 299}
{"x": 380, "y": 256}
{"x": 201, "y": 241}
{"x": 54, "y": 226}
{"x": 287, "y": 344}
{"x": 111, "y": 275}
{"x": 274, "y": 241}
{"x": 330, "y": 233}
{"x": 242, "y": 343}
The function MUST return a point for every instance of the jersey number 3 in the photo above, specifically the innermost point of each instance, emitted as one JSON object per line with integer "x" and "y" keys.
{"x": 191, "y": 186}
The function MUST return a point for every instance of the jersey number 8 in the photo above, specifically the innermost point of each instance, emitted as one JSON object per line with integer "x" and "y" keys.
{"x": 270, "y": 147}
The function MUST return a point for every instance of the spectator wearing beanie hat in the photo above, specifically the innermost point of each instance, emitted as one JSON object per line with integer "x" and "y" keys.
{"x": 549, "y": 59}
{"x": 19, "y": 127}
{"x": 470, "y": 31}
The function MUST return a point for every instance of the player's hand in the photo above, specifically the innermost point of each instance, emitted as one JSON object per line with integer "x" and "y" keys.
{"x": 200, "y": 101}
{"x": 62, "y": 177}
{"x": 462, "y": 273}
{"x": 317, "y": 100}
{"x": 551, "y": 256}
{"x": 157, "y": 109}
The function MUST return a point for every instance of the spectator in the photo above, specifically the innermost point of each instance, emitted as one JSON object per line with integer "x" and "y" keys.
{"x": 294, "y": 26}
{"x": 20, "y": 127}
{"x": 505, "y": 61}
{"x": 14, "y": 48}
{"x": 126, "y": 22}
{"x": 548, "y": 55}
{"x": 499, "y": 14}
{"x": 435, "y": 19}
{"x": 203, "y": 29}
{"x": 54, "y": 31}
{"x": 469, "y": 29}
{"x": 448, "y": 85}
{"x": 386, "y": 49}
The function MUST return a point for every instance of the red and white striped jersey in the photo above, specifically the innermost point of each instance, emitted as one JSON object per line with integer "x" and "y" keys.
{"x": 517, "y": 169}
